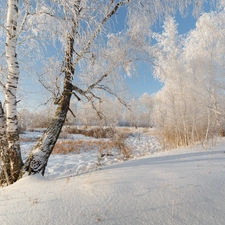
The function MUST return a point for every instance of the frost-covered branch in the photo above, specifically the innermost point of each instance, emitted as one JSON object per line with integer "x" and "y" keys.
{"x": 24, "y": 20}
{"x": 4, "y": 28}
{"x": 92, "y": 86}
{"x": 99, "y": 28}
{"x": 108, "y": 90}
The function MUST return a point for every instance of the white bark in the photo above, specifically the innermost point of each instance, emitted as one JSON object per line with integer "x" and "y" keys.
{"x": 13, "y": 67}
{"x": 11, "y": 88}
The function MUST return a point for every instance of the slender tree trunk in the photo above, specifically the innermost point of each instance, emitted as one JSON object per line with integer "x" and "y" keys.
{"x": 12, "y": 134}
{"x": 216, "y": 113}
{"x": 208, "y": 126}
{"x": 38, "y": 158}
{"x": 5, "y": 175}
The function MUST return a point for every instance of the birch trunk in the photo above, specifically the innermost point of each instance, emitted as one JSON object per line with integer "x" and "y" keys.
{"x": 12, "y": 134}
{"x": 5, "y": 175}
{"x": 38, "y": 158}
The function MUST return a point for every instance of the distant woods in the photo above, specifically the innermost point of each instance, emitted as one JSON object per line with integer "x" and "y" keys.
{"x": 139, "y": 114}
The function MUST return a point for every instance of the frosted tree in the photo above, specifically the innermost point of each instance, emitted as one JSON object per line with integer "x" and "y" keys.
{"x": 167, "y": 50}
{"x": 13, "y": 26}
{"x": 209, "y": 51}
{"x": 10, "y": 149}
{"x": 170, "y": 69}
{"x": 38, "y": 157}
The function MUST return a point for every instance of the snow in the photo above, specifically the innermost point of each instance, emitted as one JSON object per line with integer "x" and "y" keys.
{"x": 182, "y": 186}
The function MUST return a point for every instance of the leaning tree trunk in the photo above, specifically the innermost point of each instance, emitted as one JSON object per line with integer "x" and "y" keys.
{"x": 38, "y": 158}
{"x": 12, "y": 134}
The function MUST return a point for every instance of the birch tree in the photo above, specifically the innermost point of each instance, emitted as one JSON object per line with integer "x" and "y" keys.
{"x": 11, "y": 148}
{"x": 12, "y": 28}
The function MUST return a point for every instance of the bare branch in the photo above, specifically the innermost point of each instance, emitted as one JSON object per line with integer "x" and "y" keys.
{"x": 96, "y": 32}
{"x": 107, "y": 89}
{"x": 2, "y": 54}
{"x": 96, "y": 83}
{"x": 3, "y": 86}
{"x": 99, "y": 113}
{"x": 78, "y": 98}
{"x": 4, "y": 29}
{"x": 80, "y": 91}
{"x": 94, "y": 96}
{"x": 45, "y": 86}
{"x": 71, "y": 111}
{"x": 23, "y": 21}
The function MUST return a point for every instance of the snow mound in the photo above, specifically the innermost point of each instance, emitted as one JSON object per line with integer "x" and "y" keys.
{"x": 182, "y": 187}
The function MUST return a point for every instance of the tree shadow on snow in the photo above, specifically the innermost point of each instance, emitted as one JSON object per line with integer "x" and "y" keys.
{"x": 199, "y": 157}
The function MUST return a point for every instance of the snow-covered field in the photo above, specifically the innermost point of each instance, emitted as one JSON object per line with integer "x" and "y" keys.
{"x": 74, "y": 164}
{"x": 183, "y": 186}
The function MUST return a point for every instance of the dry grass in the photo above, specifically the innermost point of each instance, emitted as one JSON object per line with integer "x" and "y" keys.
{"x": 172, "y": 138}
{"x": 122, "y": 147}
{"x": 28, "y": 139}
{"x": 95, "y": 132}
{"x": 103, "y": 147}
{"x": 126, "y": 129}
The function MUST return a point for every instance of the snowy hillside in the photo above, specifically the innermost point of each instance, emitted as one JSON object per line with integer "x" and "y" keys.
{"x": 185, "y": 186}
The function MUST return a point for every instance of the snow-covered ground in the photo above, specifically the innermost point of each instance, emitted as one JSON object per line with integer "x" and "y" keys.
{"x": 183, "y": 186}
